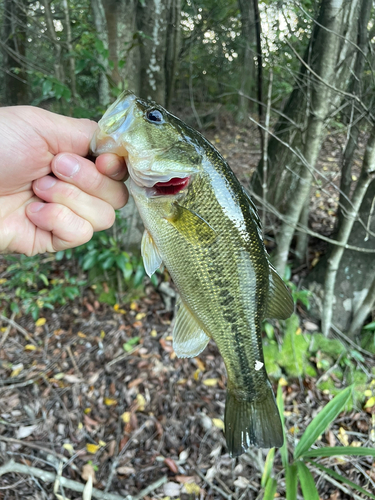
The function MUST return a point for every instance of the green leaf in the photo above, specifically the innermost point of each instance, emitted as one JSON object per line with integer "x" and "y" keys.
{"x": 370, "y": 326}
{"x": 342, "y": 479}
{"x": 308, "y": 487}
{"x": 270, "y": 490}
{"x": 43, "y": 277}
{"x": 108, "y": 262}
{"x": 128, "y": 346}
{"x": 268, "y": 467}
{"x": 322, "y": 421}
{"x": 340, "y": 450}
{"x": 284, "y": 448}
{"x": 59, "y": 255}
{"x": 291, "y": 481}
{"x": 46, "y": 87}
{"x": 90, "y": 259}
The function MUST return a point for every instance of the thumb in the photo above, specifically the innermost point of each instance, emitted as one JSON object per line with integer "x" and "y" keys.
{"x": 62, "y": 134}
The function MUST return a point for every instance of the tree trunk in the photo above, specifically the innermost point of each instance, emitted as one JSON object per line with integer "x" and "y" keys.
{"x": 332, "y": 36}
{"x": 101, "y": 30}
{"x": 152, "y": 21}
{"x": 14, "y": 50}
{"x": 173, "y": 48}
{"x": 324, "y": 50}
{"x": 57, "y": 64}
{"x": 247, "y": 58}
{"x": 69, "y": 46}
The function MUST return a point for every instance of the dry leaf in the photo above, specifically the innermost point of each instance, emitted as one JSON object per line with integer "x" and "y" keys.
{"x": 30, "y": 347}
{"x": 140, "y": 316}
{"x": 125, "y": 470}
{"x": 192, "y": 488}
{"x": 87, "y": 490}
{"x": 72, "y": 379}
{"x": 210, "y": 382}
{"x": 92, "y": 448}
{"x": 171, "y": 464}
{"x": 16, "y": 370}
{"x": 241, "y": 482}
{"x": 87, "y": 472}
{"x": 40, "y": 322}
{"x": 218, "y": 423}
{"x": 25, "y": 431}
{"x": 69, "y": 448}
{"x": 141, "y": 402}
{"x": 110, "y": 401}
{"x": 172, "y": 489}
{"x": 126, "y": 417}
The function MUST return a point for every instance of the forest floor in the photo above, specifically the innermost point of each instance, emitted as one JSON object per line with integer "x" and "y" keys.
{"x": 95, "y": 390}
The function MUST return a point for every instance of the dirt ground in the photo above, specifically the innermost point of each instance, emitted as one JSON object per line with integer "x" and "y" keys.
{"x": 79, "y": 401}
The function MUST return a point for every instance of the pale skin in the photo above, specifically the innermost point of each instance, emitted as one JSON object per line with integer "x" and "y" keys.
{"x": 40, "y": 212}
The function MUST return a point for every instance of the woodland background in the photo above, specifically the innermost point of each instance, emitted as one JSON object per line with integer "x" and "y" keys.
{"x": 285, "y": 90}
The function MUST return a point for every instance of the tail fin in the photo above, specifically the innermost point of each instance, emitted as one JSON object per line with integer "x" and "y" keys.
{"x": 255, "y": 422}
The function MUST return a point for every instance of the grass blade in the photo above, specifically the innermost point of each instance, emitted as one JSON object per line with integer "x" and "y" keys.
{"x": 308, "y": 487}
{"x": 284, "y": 448}
{"x": 268, "y": 467}
{"x": 342, "y": 479}
{"x": 271, "y": 487}
{"x": 291, "y": 481}
{"x": 340, "y": 450}
{"x": 321, "y": 421}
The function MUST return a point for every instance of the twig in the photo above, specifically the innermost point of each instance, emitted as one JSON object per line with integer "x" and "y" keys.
{"x": 7, "y": 331}
{"x": 38, "y": 447}
{"x": 149, "y": 488}
{"x": 213, "y": 486}
{"x": 15, "y": 325}
{"x": 50, "y": 477}
{"x": 69, "y": 351}
{"x": 351, "y": 342}
{"x": 338, "y": 485}
{"x": 122, "y": 356}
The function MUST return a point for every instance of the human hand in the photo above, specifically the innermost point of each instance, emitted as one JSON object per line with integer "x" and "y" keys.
{"x": 81, "y": 196}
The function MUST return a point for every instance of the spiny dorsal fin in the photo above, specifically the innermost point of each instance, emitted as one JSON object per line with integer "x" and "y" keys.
{"x": 280, "y": 302}
{"x": 151, "y": 257}
{"x": 189, "y": 339}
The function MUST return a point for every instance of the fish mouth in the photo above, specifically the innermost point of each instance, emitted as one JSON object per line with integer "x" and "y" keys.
{"x": 171, "y": 187}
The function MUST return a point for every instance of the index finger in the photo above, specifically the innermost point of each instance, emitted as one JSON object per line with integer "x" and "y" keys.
{"x": 82, "y": 173}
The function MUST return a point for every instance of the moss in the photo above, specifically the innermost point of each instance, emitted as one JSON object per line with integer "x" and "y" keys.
{"x": 331, "y": 347}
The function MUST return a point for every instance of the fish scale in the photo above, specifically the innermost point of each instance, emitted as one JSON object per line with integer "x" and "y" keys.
{"x": 209, "y": 237}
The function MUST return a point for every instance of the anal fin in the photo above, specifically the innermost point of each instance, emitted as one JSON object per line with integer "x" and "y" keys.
{"x": 151, "y": 257}
{"x": 189, "y": 339}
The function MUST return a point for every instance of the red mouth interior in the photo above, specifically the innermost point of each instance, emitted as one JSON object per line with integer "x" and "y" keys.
{"x": 173, "y": 186}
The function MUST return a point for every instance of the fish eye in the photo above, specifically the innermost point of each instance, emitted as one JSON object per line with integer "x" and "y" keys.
{"x": 154, "y": 115}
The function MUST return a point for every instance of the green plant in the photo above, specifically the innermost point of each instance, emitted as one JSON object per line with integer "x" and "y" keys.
{"x": 105, "y": 260}
{"x": 32, "y": 285}
{"x": 297, "y": 470}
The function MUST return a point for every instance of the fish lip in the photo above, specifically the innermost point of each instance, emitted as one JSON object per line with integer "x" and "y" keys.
{"x": 151, "y": 190}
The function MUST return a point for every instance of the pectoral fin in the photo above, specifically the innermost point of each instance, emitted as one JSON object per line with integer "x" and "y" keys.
{"x": 191, "y": 225}
{"x": 280, "y": 302}
{"x": 189, "y": 339}
{"x": 151, "y": 257}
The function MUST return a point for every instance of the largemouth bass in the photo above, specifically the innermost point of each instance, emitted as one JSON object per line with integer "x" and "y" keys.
{"x": 204, "y": 227}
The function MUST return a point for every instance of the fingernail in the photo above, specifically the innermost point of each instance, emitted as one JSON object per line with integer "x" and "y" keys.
{"x": 45, "y": 183}
{"x": 67, "y": 165}
{"x": 35, "y": 207}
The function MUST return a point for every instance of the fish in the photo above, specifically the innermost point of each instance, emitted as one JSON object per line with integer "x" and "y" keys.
{"x": 204, "y": 227}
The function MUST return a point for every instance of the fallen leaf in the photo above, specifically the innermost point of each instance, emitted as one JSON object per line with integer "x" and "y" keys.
{"x": 72, "y": 379}
{"x": 30, "y": 347}
{"x": 172, "y": 489}
{"x": 241, "y": 482}
{"x": 192, "y": 488}
{"x": 110, "y": 401}
{"x": 69, "y": 448}
{"x": 87, "y": 490}
{"x": 87, "y": 472}
{"x": 140, "y": 316}
{"x": 200, "y": 364}
{"x": 218, "y": 423}
{"x": 92, "y": 448}
{"x": 126, "y": 417}
{"x": 16, "y": 370}
{"x": 370, "y": 402}
{"x": 40, "y": 322}
{"x": 141, "y": 402}
{"x": 343, "y": 437}
{"x": 171, "y": 464}
{"x": 125, "y": 470}
{"x": 210, "y": 382}
{"x": 25, "y": 431}
{"x": 153, "y": 333}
